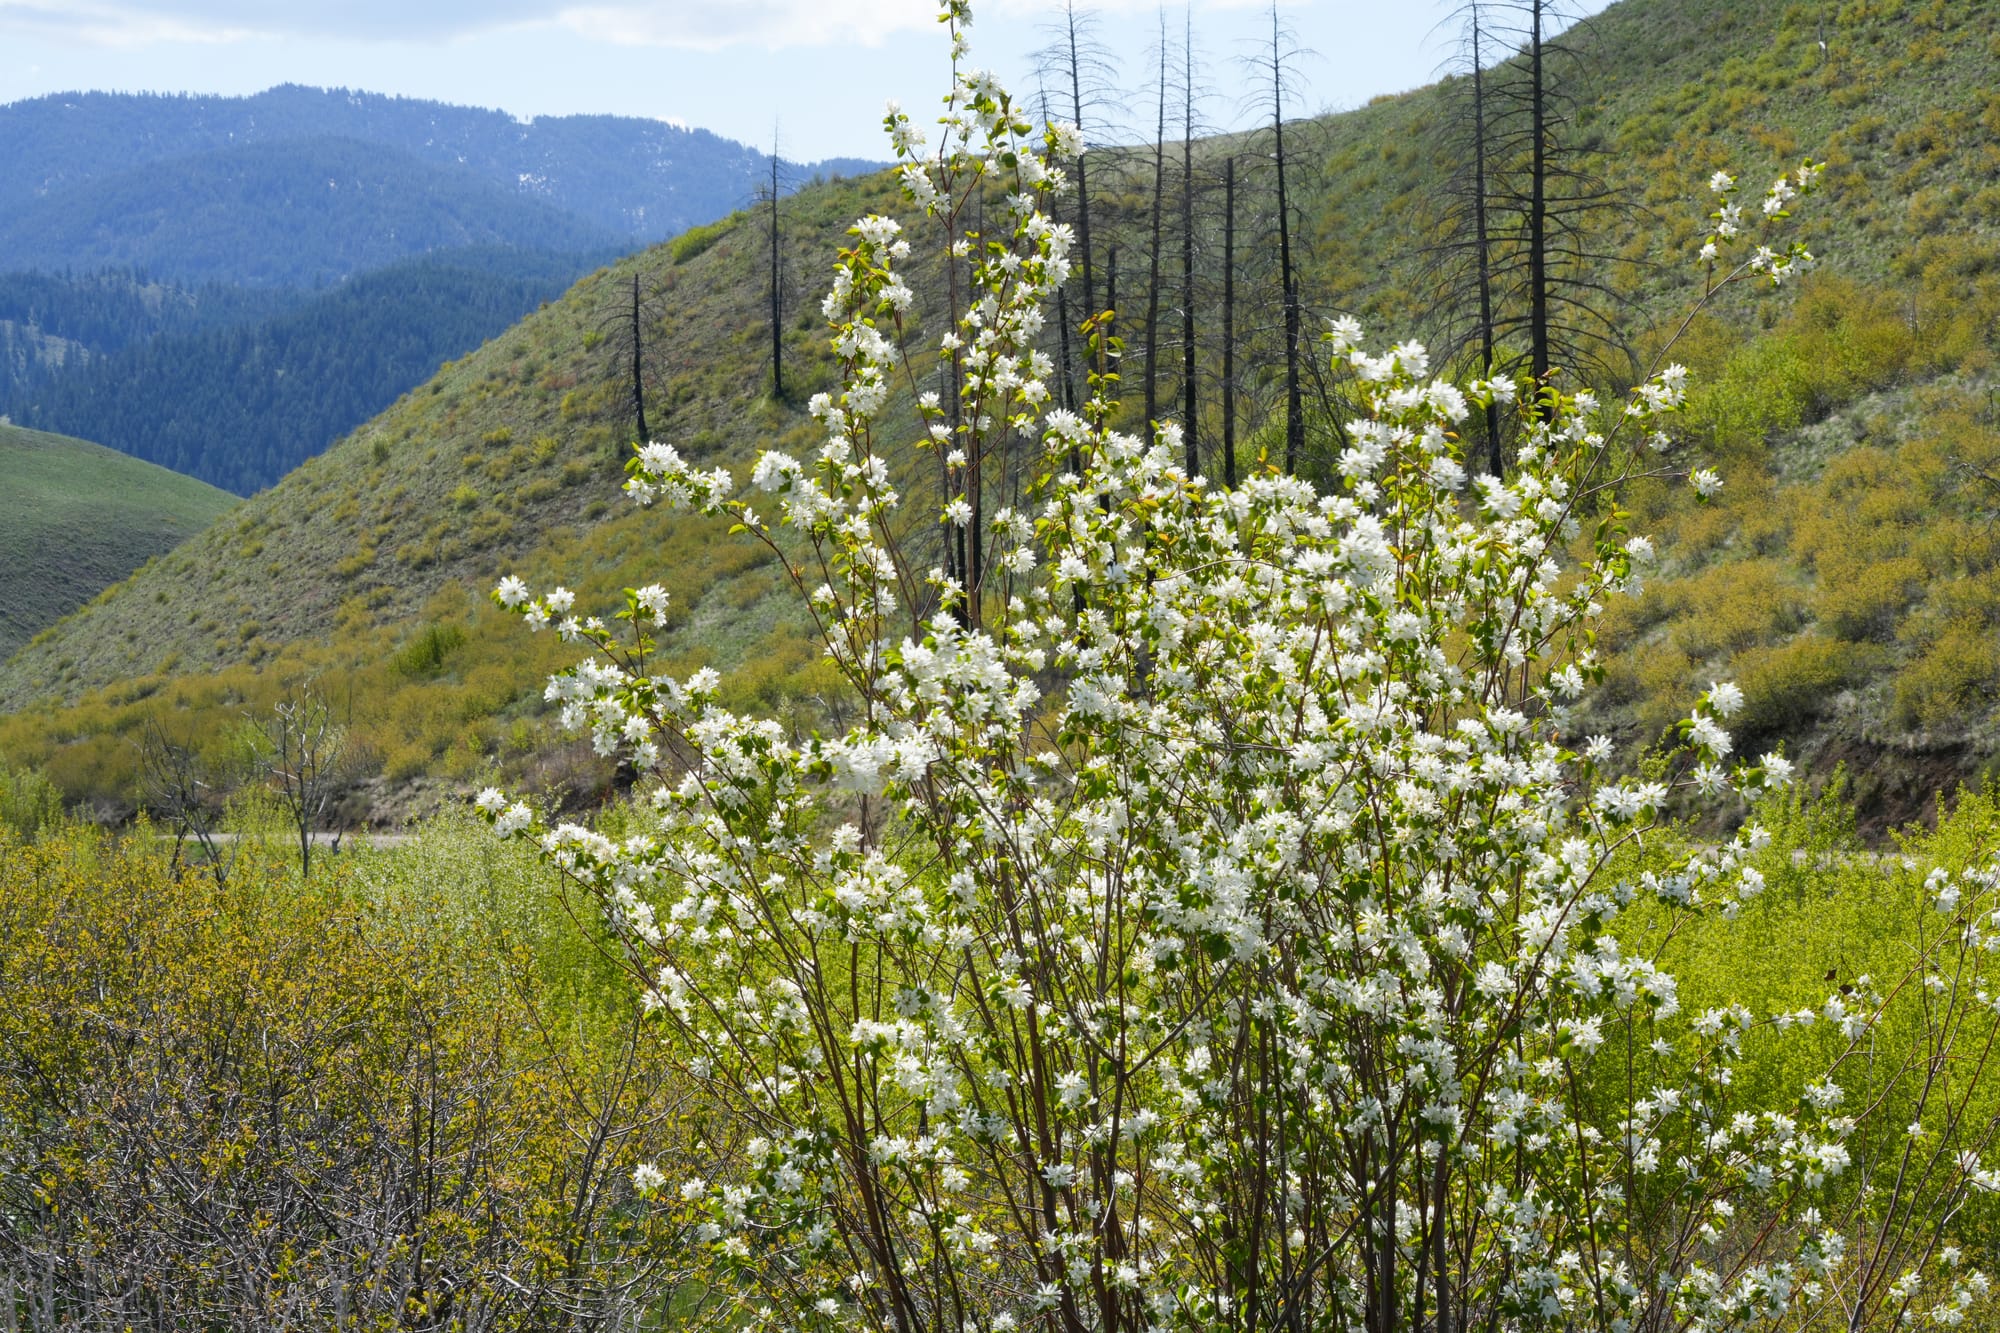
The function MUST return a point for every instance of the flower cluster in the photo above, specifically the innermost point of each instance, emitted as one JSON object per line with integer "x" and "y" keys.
{"x": 1210, "y": 913}
{"x": 1730, "y": 219}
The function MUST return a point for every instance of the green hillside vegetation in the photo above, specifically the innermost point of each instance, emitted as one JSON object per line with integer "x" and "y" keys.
{"x": 76, "y": 517}
{"x": 1845, "y": 576}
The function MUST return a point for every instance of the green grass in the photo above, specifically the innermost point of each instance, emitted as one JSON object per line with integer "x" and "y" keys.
{"x": 77, "y": 517}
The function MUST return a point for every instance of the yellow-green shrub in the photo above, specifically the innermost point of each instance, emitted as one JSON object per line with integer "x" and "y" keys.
{"x": 1951, "y": 676}
{"x": 1785, "y": 685}
{"x": 379, "y": 1099}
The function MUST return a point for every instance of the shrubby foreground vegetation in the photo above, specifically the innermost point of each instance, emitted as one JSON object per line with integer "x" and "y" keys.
{"x": 385, "y": 1093}
{"x": 404, "y": 1093}
{"x": 1212, "y": 916}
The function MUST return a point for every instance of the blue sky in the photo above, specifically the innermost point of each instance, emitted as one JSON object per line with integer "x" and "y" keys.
{"x": 816, "y": 70}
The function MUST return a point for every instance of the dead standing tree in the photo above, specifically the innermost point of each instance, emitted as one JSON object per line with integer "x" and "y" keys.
{"x": 623, "y": 326}
{"x": 1227, "y": 389}
{"x": 1551, "y": 201}
{"x": 1085, "y": 76}
{"x": 188, "y": 791}
{"x": 1191, "y": 96}
{"x": 768, "y": 195}
{"x": 299, "y": 747}
{"x": 1151, "y": 381}
{"x": 1518, "y": 284}
{"x": 1274, "y": 70}
{"x": 1460, "y": 262}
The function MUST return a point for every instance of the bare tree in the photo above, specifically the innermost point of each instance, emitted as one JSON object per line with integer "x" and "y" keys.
{"x": 1468, "y": 242}
{"x": 1535, "y": 191}
{"x": 1077, "y": 63}
{"x": 770, "y": 194}
{"x": 1150, "y": 384}
{"x": 1190, "y": 420}
{"x": 1516, "y": 283}
{"x": 187, "y": 791}
{"x": 623, "y": 326}
{"x": 1228, "y": 387}
{"x": 299, "y": 747}
{"x": 1275, "y": 69}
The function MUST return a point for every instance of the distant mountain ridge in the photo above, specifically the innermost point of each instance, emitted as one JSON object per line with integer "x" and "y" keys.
{"x": 290, "y": 213}
{"x": 178, "y": 260}
{"x": 631, "y": 177}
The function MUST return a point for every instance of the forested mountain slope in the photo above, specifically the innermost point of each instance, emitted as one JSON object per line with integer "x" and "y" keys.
{"x": 1849, "y": 574}
{"x": 242, "y": 404}
{"x": 292, "y": 213}
{"x": 76, "y": 517}
{"x": 55, "y": 321}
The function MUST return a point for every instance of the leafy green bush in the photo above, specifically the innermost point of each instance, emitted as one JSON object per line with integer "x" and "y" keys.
{"x": 1786, "y": 685}
{"x": 425, "y": 654}
{"x": 1950, "y": 677}
{"x": 29, "y": 802}
{"x": 696, "y": 240}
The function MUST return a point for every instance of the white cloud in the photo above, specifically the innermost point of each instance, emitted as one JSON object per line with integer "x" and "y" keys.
{"x": 109, "y": 25}
{"x": 767, "y": 23}
{"x": 134, "y": 23}
{"x": 690, "y": 24}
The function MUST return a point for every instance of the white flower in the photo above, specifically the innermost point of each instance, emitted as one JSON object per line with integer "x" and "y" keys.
{"x": 511, "y": 592}
{"x": 1586, "y": 1034}
{"x": 1705, "y": 733}
{"x": 1725, "y": 698}
{"x": 1705, "y": 482}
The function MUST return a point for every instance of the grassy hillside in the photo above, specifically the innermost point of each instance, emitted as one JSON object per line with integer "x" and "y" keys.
{"x": 368, "y": 565}
{"x": 77, "y": 517}
{"x": 1848, "y": 577}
